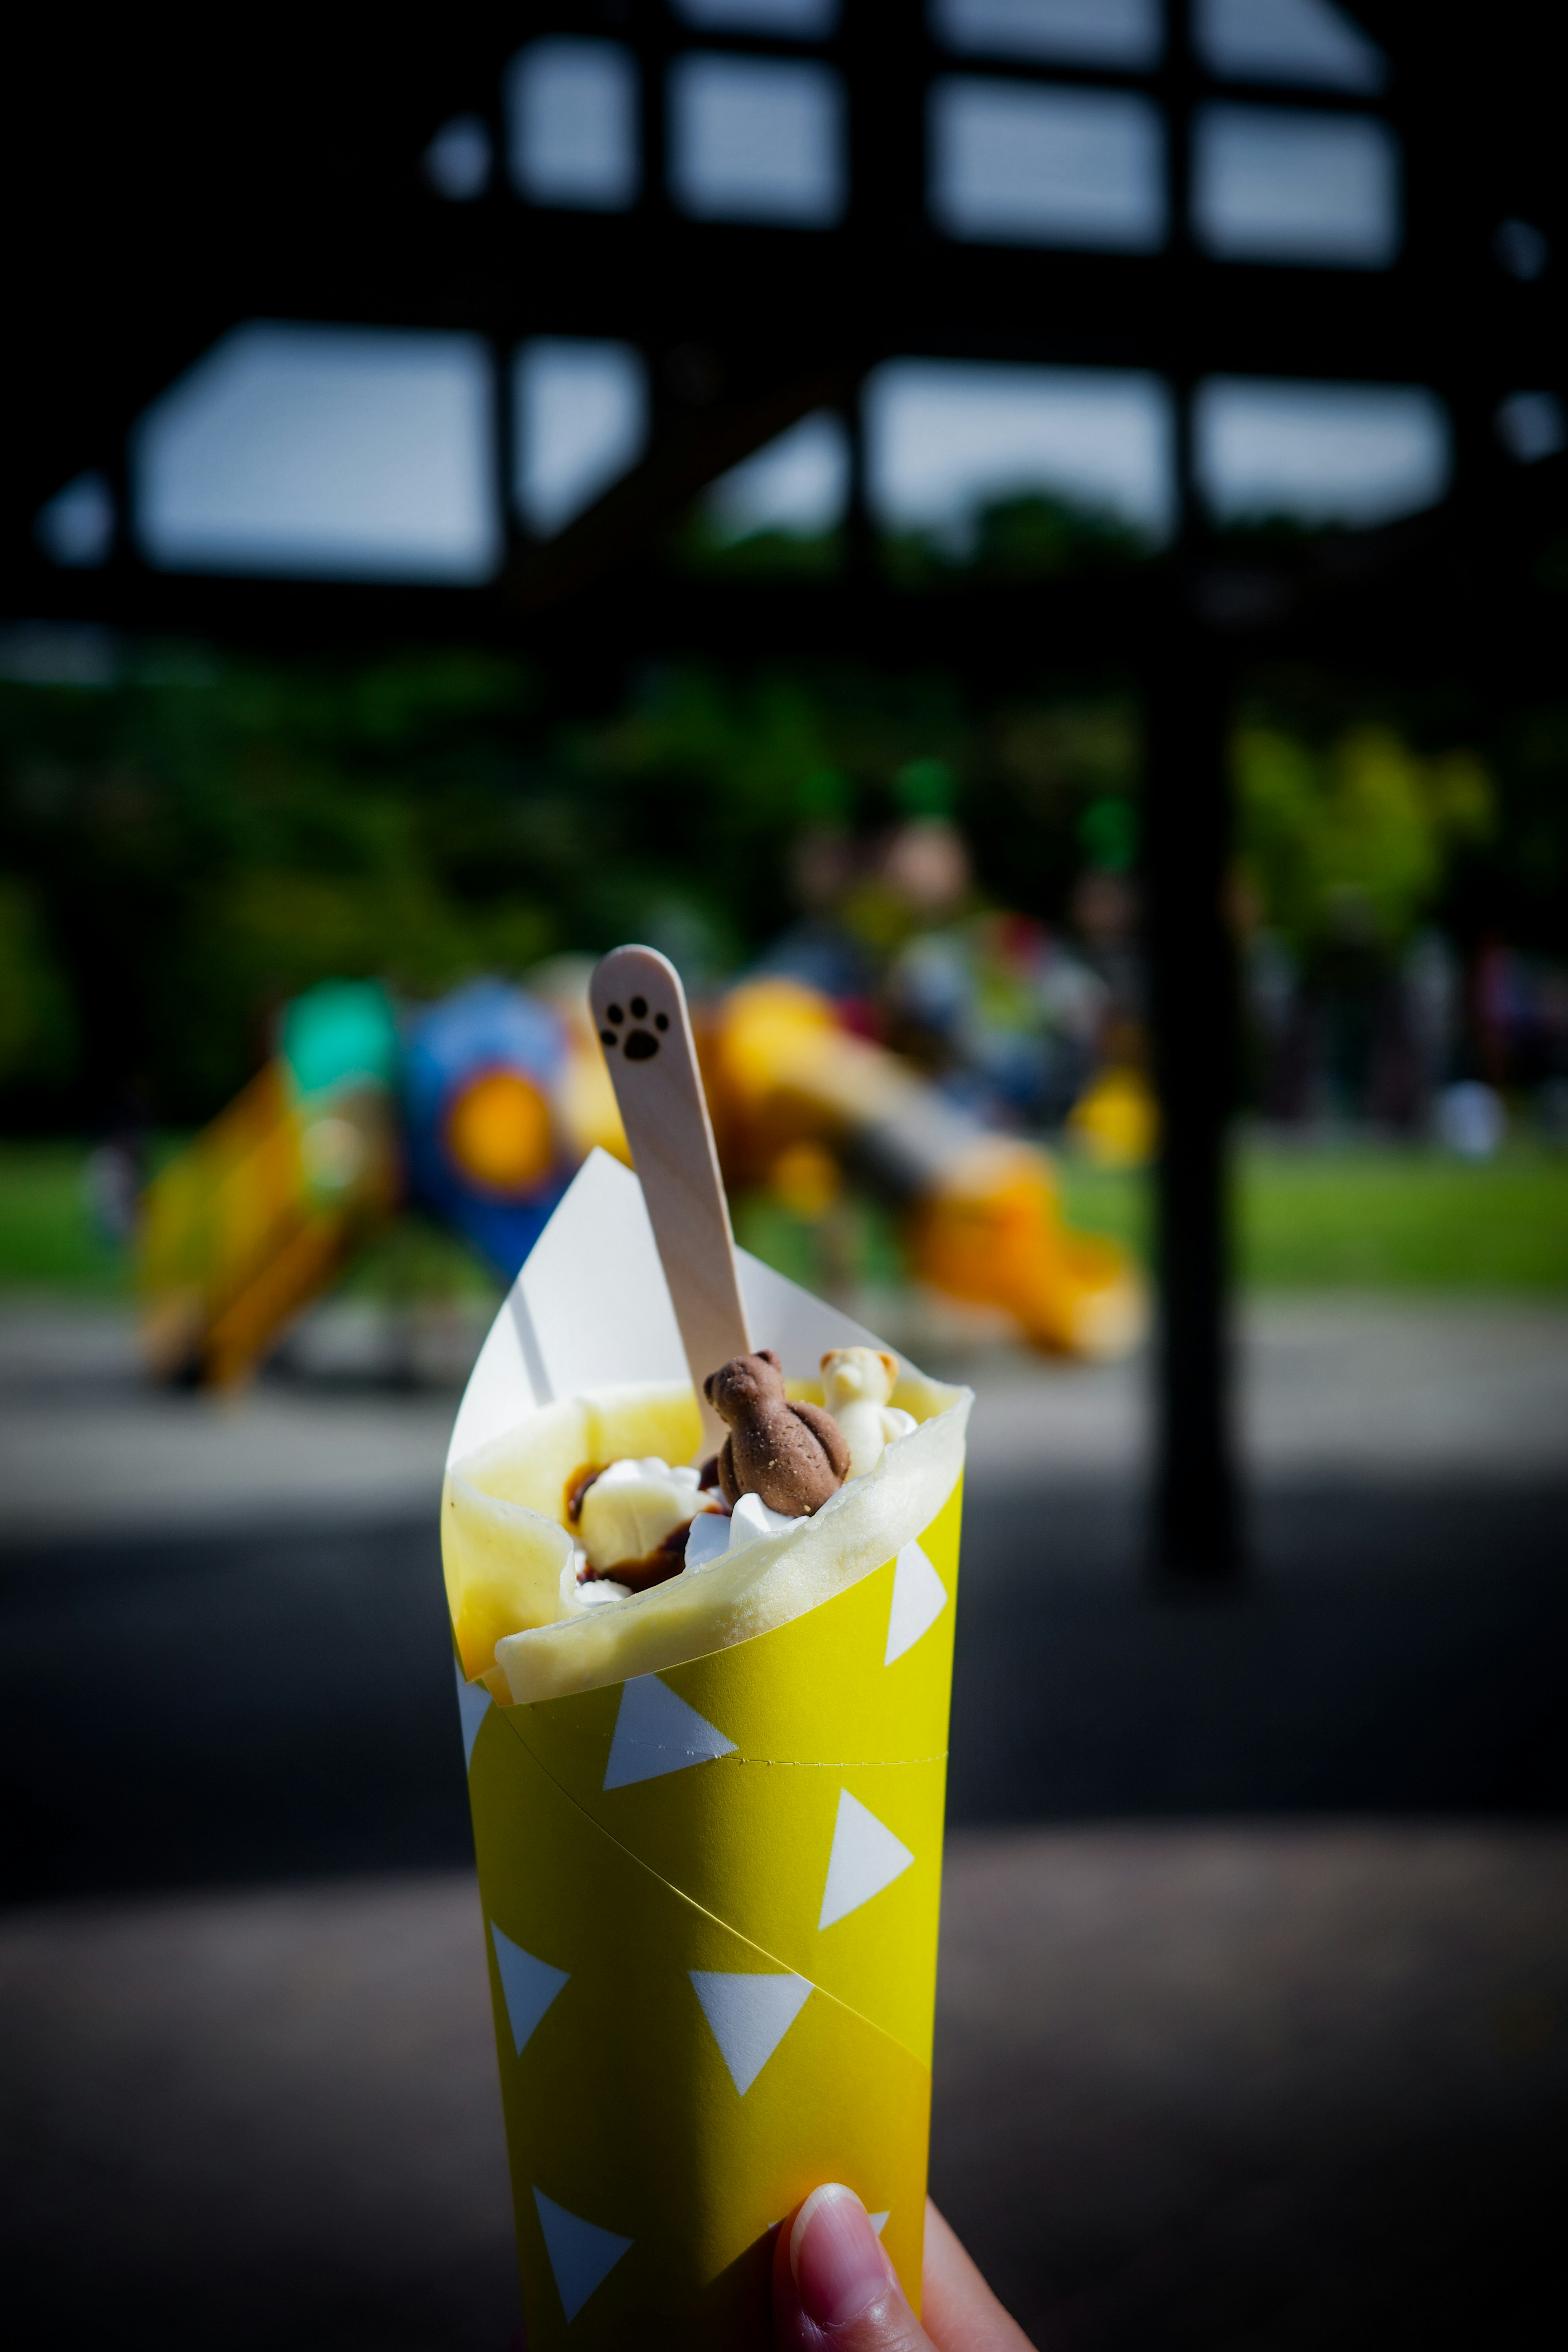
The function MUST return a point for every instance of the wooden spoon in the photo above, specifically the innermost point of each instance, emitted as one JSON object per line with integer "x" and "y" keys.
{"x": 640, "y": 1011}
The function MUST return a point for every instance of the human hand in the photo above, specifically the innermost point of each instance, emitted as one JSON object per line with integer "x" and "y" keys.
{"x": 835, "y": 2290}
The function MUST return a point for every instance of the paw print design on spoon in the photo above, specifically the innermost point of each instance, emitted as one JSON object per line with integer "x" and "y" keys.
{"x": 640, "y": 1011}
{"x": 637, "y": 1045}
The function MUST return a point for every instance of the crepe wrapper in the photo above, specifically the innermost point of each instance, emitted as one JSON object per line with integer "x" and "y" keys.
{"x": 710, "y": 1890}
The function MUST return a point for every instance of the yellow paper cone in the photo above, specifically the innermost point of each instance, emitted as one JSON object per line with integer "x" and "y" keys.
{"x": 710, "y": 1890}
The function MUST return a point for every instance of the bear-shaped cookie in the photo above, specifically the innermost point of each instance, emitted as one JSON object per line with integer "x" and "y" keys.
{"x": 855, "y": 1385}
{"x": 792, "y": 1457}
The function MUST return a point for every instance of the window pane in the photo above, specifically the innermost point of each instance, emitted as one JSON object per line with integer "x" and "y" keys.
{"x": 1354, "y": 454}
{"x": 77, "y": 527}
{"x": 792, "y": 20}
{"x": 339, "y": 452}
{"x": 572, "y": 129}
{"x": 582, "y": 422}
{"x": 1273, "y": 186}
{"x": 1082, "y": 32}
{"x": 458, "y": 159}
{"x": 1025, "y": 165}
{"x": 1530, "y": 424}
{"x": 797, "y": 483}
{"x": 945, "y": 438}
{"x": 1304, "y": 41}
{"x": 756, "y": 139}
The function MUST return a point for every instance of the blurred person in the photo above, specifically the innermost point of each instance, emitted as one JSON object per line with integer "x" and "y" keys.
{"x": 1105, "y": 915}
{"x": 1432, "y": 992}
{"x": 925, "y": 864}
{"x": 1003, "y": 1013}
{"x": 1493, "y": 998}
{"x": 113, "y": 1178}
{"x": 1471, "y": 1120}
{"x": 1274, "y": 1005}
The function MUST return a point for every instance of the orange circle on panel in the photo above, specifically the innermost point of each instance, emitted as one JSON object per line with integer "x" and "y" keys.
{"x": 497, "y": 1131}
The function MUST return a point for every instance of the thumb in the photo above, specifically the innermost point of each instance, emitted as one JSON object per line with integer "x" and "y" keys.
{"x": 834, "y": 2288}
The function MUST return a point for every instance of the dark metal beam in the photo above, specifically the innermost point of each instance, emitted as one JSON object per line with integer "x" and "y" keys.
{"x": 1193, "y": 1036}
{"x": 691, "y": 452}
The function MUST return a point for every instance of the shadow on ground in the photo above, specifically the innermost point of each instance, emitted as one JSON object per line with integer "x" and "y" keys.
{"x": 202, "y": 1710}
{"x": 1295, "y": 2081}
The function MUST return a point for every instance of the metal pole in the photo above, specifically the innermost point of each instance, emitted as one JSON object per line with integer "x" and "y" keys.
{"x": 1192, "y": 998}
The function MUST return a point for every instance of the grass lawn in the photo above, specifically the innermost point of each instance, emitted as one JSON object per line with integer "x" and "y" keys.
{"x": 1370, "y": 1218}
{"x": 1349, "y": 1218}
{"x": 48, "y": 1239}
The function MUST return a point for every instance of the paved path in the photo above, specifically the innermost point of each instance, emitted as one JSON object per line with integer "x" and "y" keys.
{"x": 1196, "y": 2088}
{"x": 1329, "y": 1387}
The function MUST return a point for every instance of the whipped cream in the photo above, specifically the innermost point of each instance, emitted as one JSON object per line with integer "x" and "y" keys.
{"x": 714, "y": 1537}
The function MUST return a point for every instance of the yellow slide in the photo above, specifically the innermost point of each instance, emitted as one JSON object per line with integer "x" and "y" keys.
{"x": 983, "y": 1218}
{"x": 257, "y": 1215}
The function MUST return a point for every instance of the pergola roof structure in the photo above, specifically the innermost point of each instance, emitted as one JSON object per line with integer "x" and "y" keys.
{"x": 167, "y": 187}
{"x": 170, "y": 182}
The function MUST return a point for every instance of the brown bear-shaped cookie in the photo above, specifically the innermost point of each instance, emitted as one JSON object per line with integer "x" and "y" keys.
{"x": 793, "y": 1457}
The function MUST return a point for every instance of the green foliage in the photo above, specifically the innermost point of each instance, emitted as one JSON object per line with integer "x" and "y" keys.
{"x": 701, "y": 545}
{"x": 926, "y": 788}
{"x": 184, "y": 848}
{"x": 1109, "y": 832}
{"x": 202, "y": 838}
{"x": 190, "y": 844}
{"x": 1032, "y": 536}
{"x": 36, "y": 1033}
{"x": 1351, "y": 841}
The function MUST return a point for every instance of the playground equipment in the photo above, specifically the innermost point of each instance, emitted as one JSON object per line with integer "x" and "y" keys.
{"x": 486, "y": 1150}
{"x": 981, "y": 1213}
{"x": 482, "y": 1107}
{"x": 479, "y": 1108}
{"x": 269, "y": 1202}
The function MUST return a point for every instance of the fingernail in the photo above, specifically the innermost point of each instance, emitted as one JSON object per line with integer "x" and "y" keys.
{"x": 839, "y": 2264}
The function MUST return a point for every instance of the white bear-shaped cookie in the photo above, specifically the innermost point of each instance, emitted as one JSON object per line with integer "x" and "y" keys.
{"x": 855, "y": 1385}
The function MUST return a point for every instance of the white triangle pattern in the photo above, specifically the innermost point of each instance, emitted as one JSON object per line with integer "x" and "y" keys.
{"x": 655, "y": 1732}
{"x": 750, "y": 2015}
{"x": 879, "y": 2220}
{"x": 581, "y": 2253}
{"x": 473, "y": 1705}
{"x": 866, "y": 1858}
{"x": 919, "y": 1596}
{"x": 528, "y": 1985}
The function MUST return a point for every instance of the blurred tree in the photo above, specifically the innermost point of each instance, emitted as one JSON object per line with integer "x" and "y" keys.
{"x": 1353, "y": 841}
{"x": 36, "y": 1033}
{"x": 194, "y": 838}
{"x": 1030, "y": 536}
{"x": 188, "y": 841}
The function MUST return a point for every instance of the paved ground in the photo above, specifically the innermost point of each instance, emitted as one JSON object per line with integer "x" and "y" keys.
{"x": 1197, "y": 2088}
{"x": 1329, "y": 1386}
{"x": 1282, "y": 2067}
